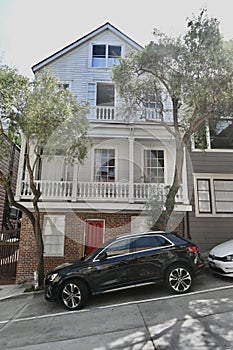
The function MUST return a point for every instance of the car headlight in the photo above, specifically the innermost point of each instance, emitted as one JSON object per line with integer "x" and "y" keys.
{"x": 228, "y": 258}
{"x": 52, "y": 277}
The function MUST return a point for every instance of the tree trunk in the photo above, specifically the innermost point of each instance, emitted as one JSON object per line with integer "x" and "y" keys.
{"x": 39, "y": 252}
{"x": 162, "y": 221}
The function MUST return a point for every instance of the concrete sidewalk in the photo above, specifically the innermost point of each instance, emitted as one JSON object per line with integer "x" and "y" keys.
{"x": 13, "y": 290}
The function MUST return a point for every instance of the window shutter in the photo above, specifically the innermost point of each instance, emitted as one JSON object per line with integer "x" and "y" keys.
{"x": 91, "y": 94}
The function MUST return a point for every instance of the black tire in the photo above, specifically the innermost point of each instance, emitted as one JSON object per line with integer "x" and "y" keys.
{"x": 179, "y": 279}
{"x": 74, "y": 294}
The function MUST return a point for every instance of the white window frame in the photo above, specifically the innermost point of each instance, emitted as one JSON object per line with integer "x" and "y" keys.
{"x": 211, "y": 178}
{"x": 157, "y": 148}
{"x": 106, "y": 57}
{"x": 116, "y": 159}
{"x": 92, "y": 91}
{"x": 96, "y": 91}
{"x": 56, "y": 225}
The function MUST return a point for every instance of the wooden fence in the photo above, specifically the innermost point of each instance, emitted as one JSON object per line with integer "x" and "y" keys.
{"x": 9, "y": 250}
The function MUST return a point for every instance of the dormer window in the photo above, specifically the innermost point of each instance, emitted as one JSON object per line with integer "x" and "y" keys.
{"x": 105, "y": 55}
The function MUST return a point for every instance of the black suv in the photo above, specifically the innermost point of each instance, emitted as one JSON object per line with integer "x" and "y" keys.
{"x": 126, "y": 261}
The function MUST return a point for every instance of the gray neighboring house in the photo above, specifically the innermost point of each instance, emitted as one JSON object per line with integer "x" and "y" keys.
{"x": 211, "y": 185}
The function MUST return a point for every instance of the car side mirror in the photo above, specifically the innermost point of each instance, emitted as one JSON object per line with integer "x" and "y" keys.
{"x": 103, "y": 256}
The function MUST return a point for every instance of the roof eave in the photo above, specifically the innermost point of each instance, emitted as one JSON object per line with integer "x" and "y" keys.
{"x": 80, "y": 41}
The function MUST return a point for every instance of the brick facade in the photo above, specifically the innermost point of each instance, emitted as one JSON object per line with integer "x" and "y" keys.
{"x": 115, "y": 224}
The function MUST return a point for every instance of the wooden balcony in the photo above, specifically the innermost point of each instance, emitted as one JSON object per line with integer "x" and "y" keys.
{"x": 97, "y": 191}
{"x": 109, "y": 113}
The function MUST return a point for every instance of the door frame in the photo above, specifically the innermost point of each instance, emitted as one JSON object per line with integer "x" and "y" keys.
{"x": 90, "y": 219}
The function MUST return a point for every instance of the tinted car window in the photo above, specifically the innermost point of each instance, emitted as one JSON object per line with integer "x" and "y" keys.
{"x": 149, "y": 242}
{"x": 118, "y": 248}
{"x": 176, "y": 239}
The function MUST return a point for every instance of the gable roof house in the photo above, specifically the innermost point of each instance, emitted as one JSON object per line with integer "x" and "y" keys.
{"x": 85, "y": 205}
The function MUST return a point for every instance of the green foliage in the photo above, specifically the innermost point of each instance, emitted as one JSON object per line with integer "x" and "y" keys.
{"x": 47, "y": 116}
{"x": 194, "y": 71}
{"x": 48, "y": 119}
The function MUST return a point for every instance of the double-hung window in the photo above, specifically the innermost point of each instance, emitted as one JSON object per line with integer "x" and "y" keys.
{"x": 53, "y": 235}
{"x": 154, "y": 166}
{"x": 104, "y": 165}
{"x": 105, "y": 55}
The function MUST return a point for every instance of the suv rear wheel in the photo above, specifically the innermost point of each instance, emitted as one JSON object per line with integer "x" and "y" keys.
{"x": 74, "y": 294}
{"x": 179, "y": 279}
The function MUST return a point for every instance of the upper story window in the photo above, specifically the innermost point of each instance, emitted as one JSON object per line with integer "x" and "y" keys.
{"x": 151, "y": 101}
{"x": 154, "y": 166}
{"x": 105, "y": 55}
{"x": 217, "y": 134}
{"x": 105, "y": 94}
{"x": 104, "y": 165}
{"x": 221, "y": 134}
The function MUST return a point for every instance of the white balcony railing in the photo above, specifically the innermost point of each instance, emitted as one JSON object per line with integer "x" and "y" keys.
{"x": 112, "y": 113}
{"x": 110, "y": 191}
{"x": 102, "y": 113}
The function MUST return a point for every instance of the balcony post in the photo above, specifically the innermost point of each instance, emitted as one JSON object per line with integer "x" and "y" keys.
{"x": 131, "y": 168}
{"x": 75, "y": 183}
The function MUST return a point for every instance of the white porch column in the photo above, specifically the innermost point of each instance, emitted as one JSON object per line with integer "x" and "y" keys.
{"x": 75, "y": 183}
{"x": 131, "y": 168}
{"x": 20, "y": 169}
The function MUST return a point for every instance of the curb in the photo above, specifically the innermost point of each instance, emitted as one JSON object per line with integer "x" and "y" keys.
{"x": 22, "y": 294}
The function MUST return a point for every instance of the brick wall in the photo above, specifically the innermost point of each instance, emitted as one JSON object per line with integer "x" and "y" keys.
{"x": 115, "y": 224}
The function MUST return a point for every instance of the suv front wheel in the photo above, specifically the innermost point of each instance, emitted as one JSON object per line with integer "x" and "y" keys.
{"x": 74, "y": 294}
{"x": 179, "y": 279}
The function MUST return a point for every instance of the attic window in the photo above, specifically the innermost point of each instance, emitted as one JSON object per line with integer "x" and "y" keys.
{"x": 105, "y": 55}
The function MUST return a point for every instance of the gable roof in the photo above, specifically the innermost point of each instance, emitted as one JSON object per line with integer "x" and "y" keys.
{"x": 85, "y": 38}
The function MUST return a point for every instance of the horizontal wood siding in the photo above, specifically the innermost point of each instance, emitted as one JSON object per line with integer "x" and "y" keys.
{"x": 209, "y": 231}
{"x": 212, "y": 162}
{"x": 74, "y": 66}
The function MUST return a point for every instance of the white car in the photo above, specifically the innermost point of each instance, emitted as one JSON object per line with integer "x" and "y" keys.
{"x": 221, "y": 259}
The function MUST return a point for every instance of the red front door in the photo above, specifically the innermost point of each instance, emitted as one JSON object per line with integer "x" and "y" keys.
{"x": 94, "y": 235}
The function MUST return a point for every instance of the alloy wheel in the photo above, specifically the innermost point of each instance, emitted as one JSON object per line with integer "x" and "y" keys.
{"x": 180, "y": 279}
{"x": 71, "y": 295}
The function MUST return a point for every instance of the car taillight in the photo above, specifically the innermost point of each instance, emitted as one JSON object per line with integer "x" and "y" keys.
{"x": 193, "y": 249}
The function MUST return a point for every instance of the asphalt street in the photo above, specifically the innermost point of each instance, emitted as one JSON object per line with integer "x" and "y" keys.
{"x": 140, "y": 318}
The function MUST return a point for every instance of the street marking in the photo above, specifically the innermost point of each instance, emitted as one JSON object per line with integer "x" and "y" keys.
{"x": 115, "y": 305}
{"x": 166, "y": 297}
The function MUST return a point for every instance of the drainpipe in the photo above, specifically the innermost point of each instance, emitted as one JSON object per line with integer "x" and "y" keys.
{"x": 187, "y": 226}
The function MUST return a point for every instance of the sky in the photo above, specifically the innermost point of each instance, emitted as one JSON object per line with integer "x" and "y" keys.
{"x": 31, "y": 30}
